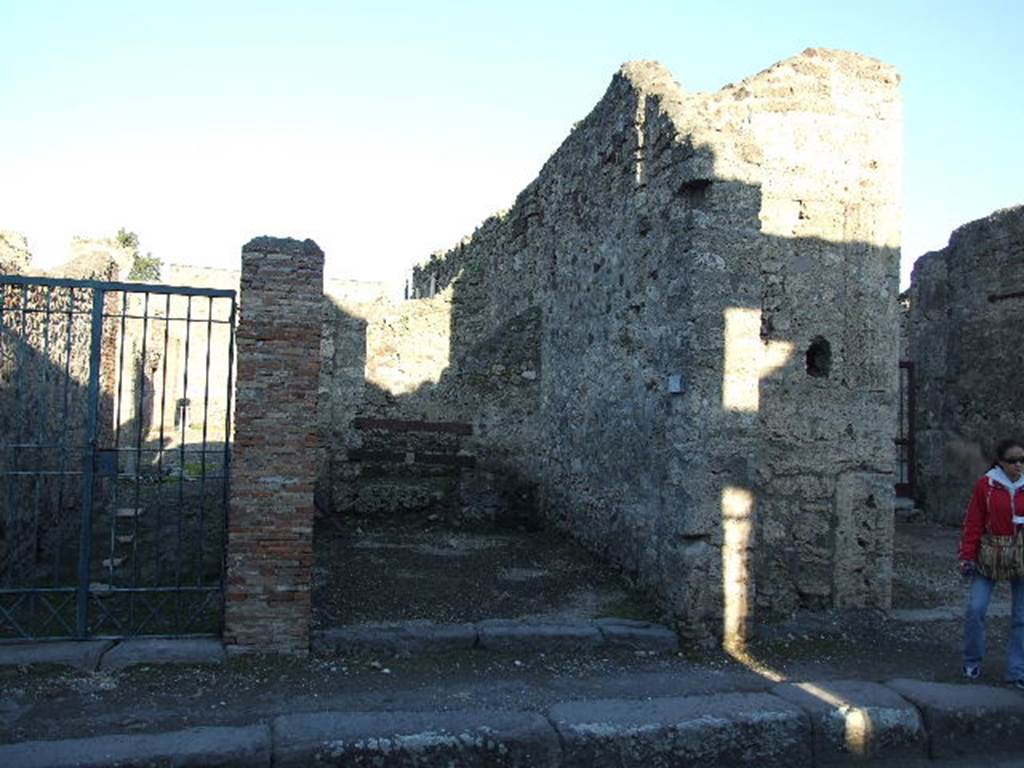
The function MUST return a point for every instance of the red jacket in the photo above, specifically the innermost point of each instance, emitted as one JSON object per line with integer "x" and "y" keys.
{"x": 990, "y": 510}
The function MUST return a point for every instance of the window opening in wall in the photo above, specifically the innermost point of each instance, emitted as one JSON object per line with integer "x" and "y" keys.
{"x": 819, "y": 358}
{"x": 695, "y": 192}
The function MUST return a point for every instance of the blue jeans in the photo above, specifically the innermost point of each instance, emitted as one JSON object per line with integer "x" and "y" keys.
{"x": 974, "y": 625}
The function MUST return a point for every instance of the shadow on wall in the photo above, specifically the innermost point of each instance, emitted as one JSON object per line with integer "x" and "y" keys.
{"x": 44, "y": 400}
{"x": 964, "y": 303}
{"x": 682, "y": 339}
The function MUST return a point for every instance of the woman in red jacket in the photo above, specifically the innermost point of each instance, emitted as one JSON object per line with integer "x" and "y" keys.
{"x": 996, "y": 507}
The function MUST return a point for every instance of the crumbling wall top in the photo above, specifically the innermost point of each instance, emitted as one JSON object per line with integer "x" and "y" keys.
{"x": 14, "y": 253}
{"x": 286, "y": 245}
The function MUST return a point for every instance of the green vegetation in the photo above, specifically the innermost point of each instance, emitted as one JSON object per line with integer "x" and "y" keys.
{"x": 146, "y": 268}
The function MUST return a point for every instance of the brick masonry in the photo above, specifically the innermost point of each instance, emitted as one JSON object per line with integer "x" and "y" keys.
{"x": 270, "y": 522}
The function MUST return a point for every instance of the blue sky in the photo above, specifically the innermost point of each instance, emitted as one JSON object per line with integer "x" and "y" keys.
{"x": 388, "y": 130}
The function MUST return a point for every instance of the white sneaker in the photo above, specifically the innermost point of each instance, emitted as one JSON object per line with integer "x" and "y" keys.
{"x": 972, "y": 671}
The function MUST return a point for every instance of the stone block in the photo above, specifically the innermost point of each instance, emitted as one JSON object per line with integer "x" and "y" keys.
{"x": 725, "y": 729}
{"x": 967, "y": 719}
{"x": 858, "y": 721}
{"x": 510, "y": 635}
{"x": 638, "y": 635}
{"x": 404, "y": 637}
{"x": 245, "y": 747}
{"x": 159, "y": 650}
{"x": 81, "y": 654}
{"x": 354, "y": 739}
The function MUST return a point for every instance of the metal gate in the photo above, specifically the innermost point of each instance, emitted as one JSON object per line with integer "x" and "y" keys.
{"x": 905, "y": 439}
{"x": 115, "y": 425}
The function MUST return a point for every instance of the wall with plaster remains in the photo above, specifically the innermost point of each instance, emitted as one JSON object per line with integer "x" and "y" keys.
{"x": 963, "y": 320}
{"x": 742, "y": 244}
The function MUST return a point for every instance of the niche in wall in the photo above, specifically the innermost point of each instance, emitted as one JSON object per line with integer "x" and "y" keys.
{"x": 819, "y": 358}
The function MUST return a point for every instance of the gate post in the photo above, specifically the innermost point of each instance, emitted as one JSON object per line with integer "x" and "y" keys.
{"x": 270, "y": 516}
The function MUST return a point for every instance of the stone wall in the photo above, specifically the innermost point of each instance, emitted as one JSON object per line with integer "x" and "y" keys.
{"x": 14, "y": 253}
{"x": 694, "y": 305}
{"x": 963, "y": 322}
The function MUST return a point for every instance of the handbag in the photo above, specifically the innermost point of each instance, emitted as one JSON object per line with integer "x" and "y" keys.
{"x": 1001, "y": 558}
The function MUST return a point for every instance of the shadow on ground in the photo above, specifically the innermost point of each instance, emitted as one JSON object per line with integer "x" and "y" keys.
{"x": 57, "y": 702}
{"x": 370, "y": 572}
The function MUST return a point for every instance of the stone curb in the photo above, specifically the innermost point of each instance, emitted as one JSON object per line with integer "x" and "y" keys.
{"x": 723, "y": 729}
{"x": 510, "y": 635}
{"x": 479, "y": 738}
{"x": 407, "y": 637}
{"x": 243, "y": 746}
{"x": 813, "y": 724}
{"x": 966, "y": 719}
{"x": 81, "y": 654}
{"x": 109, "y": 655}
{"x": 163, "y": 651}
{"x": 996, "y": 610}
{"x": 854, "y": 720}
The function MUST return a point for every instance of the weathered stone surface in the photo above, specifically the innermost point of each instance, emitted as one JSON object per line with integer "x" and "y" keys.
{"x": 497, "y": 635}
{"x": 713, "y": 281}
{"x": 512, "y": 635}
{"x": 415, "y": 738}
{"x": 15, "y": 256}
{"x": 638, "y": 635}
{"x": 404, "y": 637}
{"x": 244, "y": 747}
{"x": 81, "y": 654}
{"x": 158, "y": 650}
{"x": 856, "y": 721}
{"x": 964, "y": 301}
{"x": 726, "y": 729}
{"x": 288, "y": 246}
{"x": 967, "y": 719}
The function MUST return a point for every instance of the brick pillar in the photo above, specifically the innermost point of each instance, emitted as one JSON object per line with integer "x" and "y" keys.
{"x": 270, "y": 518}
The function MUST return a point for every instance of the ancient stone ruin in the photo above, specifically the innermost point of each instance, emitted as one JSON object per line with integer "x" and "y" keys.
{"x": 678, "y": 346}
{"x": 962, "y": 326}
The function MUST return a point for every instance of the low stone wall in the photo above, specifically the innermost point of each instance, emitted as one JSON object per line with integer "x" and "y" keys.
{"x": 963, "y": 322}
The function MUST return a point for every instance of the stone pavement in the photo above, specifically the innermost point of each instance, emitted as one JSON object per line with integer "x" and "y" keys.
{"x": 895, "y": 722}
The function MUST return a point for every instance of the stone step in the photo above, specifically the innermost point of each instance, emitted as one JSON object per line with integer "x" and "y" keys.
{"x": 127, "y": 538}
{"x": 114, "y": 562}
{"x": 503, "y": 635}
{"x": 128, "y": 512}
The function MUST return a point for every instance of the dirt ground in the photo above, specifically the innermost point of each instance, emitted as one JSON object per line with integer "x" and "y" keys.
{"x": 416, "y": 569}
{"x": 550, "y": 579}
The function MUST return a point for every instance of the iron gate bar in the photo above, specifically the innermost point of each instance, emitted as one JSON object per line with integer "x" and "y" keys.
{"x": 44, "y": 400}
{"x": 163, "y": 414}
{"x": 63, "y": 440}
{"x": 111, "y": 287}
{"x": 116, "y": 456}
{"x": 135, "y": 607}
{"x": 226, "y": 461}
{"x": 138, "y": 449}
{"x": 88, "y": 469}
{"x": 202, "y": 461}
{"x": 181, "y": 473}
{"x": 906, "y": 481}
